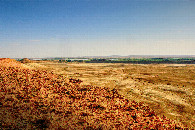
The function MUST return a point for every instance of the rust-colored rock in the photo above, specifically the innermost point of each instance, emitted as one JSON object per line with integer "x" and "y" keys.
{"x": 35, "y": 99}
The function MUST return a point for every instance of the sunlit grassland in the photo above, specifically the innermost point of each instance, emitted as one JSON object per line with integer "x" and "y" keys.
{"x": 166, "y": 88}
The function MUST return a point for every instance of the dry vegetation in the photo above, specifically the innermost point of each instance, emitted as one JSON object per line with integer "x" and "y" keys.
{"x": 166, "y": 88}
{"x": 34, "y": 97}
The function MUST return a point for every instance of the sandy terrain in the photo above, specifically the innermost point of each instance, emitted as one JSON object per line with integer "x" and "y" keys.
{"x": 166, "y": 88}
{"x": 34, "y": 98}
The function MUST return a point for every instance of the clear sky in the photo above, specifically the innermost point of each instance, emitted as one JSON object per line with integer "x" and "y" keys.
{"x": 64, "y": 28}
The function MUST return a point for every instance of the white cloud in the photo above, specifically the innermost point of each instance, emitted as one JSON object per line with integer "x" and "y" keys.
{"x": 15, "y": 44}
{"x": 34, "y": 40}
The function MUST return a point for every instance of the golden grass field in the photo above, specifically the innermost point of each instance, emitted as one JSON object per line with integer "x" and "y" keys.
{"x": 166, "y": 88}
{"x": 36, "y": 96}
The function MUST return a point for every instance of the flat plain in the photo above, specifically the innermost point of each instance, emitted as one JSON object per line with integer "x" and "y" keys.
{"x": 168, "y": 89}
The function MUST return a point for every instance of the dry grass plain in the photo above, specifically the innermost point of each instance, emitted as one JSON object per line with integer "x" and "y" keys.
{"x": 166, "y": 88}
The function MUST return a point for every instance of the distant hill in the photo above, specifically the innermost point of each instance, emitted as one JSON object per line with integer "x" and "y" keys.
{"x": 138, "y": 56}
{"x": 26, "y": 60}
{"x": 114, "y": 56}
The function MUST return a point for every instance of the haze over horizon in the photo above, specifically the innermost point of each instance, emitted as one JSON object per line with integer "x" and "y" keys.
{"x": 62, "y": 28}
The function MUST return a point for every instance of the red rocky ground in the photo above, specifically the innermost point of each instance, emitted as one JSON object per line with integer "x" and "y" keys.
{"x": 38, "y": 99}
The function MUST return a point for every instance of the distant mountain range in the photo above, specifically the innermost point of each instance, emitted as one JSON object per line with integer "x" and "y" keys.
{"x": 118, "y": 56}
{"x": 141, "y": 56}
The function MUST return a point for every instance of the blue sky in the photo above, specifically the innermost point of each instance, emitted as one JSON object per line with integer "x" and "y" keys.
{"x": 64, "y": 28}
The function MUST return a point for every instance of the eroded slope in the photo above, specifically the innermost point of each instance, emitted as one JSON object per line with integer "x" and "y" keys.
{"x": 32, "y": 99}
